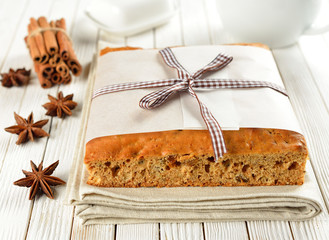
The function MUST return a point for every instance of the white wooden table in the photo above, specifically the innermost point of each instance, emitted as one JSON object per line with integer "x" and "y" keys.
{"x": 304, "y": 68}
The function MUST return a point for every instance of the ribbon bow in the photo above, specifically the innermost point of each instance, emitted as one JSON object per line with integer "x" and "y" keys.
{"x": 188, "y": 82}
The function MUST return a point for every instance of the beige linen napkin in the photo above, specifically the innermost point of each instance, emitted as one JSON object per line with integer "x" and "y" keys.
{"x": 95, "y": 205}
{"x": 144, "y": 205}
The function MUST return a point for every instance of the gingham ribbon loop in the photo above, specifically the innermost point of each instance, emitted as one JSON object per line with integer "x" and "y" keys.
{"x": 157, "y": 98}
{"x": 188, "y": 82}
{"x": 218, "y": 63}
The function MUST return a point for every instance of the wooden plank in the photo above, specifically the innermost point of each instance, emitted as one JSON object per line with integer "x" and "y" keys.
{"x": 314, "y": 229}
{"x": 53, "y": 214}
{"x": 312, "y": 115}
{"x": 275, "y": 230}
{"x": 220, "y": 36}
{"x": 171, "y": 34}
{"x": 225, "y": 230}
{"x": 316, "y": 52}
{"x": 305, "y": 76}
{"x": 15, "y": 209}
{"x": 50, "y": 219}
{"x": 217, "y": 33}
{"x": 210, "y": 31}
{"x": 81, "y": 232}
{"x": 6, "y": 40}
{"x": 143, "y": 40}
{"x": 57, "y": 221}
{"x": 181, "y": 231}
{"x": 8, "y": 25}
{"x": 137, "y": 231}
{"x": 131, "y": 231}
{"x": 134, "y": 231}
{"x": 194, "y": 23}
{"x": 69, "y": 13}
{"x": 310, "y": 110}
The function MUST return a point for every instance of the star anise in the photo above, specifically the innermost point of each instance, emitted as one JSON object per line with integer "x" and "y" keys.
{"x": 40, "y": 179}
{"x": 15, "y": 78}
{"x": 27, "y": 129}
{"x": 60, "y": 106}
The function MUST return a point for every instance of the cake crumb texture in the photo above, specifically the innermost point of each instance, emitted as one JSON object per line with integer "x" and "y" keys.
{"x": 255, "y": 157}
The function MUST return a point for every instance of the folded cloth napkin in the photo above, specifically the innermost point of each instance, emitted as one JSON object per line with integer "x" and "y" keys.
{"x": 97, "y": 205}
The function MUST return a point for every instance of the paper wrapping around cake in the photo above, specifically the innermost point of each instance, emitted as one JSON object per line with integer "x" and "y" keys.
{"x": 119, "y": 113}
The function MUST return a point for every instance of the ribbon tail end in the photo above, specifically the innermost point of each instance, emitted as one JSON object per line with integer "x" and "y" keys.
{"x": 220, "y": 154}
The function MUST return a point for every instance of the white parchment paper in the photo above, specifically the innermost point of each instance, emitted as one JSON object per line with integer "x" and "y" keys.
{"x": 119, "y": 113}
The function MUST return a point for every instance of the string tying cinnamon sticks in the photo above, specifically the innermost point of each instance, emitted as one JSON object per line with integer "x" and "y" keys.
{"x": 52, "y": 52}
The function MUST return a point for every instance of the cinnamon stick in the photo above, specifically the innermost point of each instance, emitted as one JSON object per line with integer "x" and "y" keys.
{"x": 72, "y": 62}
{"x": 52, "y": 52}
{"x": 44, "y": 82}
{"x": 67, "y": 79}
{"x": 63, "y": 45}
{"x": 46, "y": 70}
{"x": 56, "y": 78}
{"x": 62, "y": 39}
{"x": 74, "y": 66}
{"x": 34, "y": 51}
{"x": 49, "y": 37}
{"x": 39, "y": 40}
{"x": 62, "y": 69}
{"x": 54, "y": 60}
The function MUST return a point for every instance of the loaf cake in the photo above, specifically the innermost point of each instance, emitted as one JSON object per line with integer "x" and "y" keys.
{"x": 255, "y": 157}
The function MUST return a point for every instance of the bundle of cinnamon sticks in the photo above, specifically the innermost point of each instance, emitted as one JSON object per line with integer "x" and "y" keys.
{"x": 52, "y": 52}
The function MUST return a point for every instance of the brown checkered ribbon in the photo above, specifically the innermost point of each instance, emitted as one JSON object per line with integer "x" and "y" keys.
{"x": 188, "y": 82}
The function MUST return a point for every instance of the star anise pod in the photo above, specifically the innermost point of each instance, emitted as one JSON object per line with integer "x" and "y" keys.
{"x": 15, "y": 78}
{"x": 40, "y": 179}
{"x": 27, "y": 129}
{"x": 60, "y": 106}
